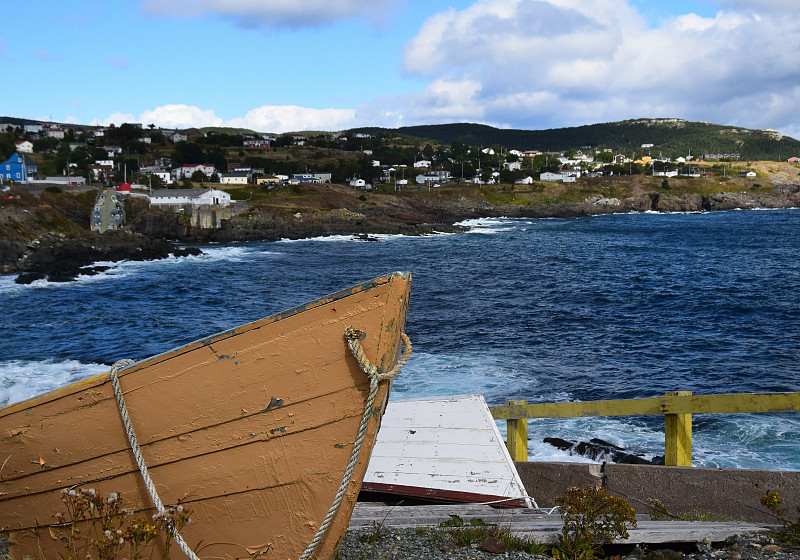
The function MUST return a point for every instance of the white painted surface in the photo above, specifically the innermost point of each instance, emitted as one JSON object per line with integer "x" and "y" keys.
{"x": 445, "y": 444}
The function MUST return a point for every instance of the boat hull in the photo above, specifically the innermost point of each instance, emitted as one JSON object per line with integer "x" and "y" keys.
{"x": 250, "y": 429}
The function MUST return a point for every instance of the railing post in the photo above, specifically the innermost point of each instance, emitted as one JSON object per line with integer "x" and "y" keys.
{"x": 678, "y": 436}
{"x": 517, "y": 436}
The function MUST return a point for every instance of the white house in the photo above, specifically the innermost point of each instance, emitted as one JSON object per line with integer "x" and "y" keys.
{"x": 526, "y": 181}
{"x": 187, "y": 170}
{"x": 513, "y": 165}
{"x": 358, "y": 183}
{"x": 24, "y": 146}
{"x": 548, "y": 176}
{"x": 431, "y": 177}
{"x": 193, "y": 197}
{"x": 422, "y": 163}
{"x": 234, "y": 178}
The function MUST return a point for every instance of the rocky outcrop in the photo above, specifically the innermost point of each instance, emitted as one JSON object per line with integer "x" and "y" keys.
{"x": 600, "y": 450}
{"x": 59, "y": 258}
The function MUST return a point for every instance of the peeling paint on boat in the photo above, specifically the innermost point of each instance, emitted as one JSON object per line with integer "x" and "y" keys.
{"x": 255, "y": 446}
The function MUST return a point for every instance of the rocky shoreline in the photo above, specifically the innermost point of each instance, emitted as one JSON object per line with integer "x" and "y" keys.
{"x": 62, "y": 256}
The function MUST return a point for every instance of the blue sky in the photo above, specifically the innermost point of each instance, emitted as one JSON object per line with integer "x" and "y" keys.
{"x": 284, "y": 65}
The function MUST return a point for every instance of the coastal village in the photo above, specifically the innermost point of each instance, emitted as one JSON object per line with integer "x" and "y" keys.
{"x": 195, "y": 172}
{"x": 87, "y": 158}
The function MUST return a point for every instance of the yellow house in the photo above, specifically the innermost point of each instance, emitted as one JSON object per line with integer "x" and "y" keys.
{"x": 268, "y": 180}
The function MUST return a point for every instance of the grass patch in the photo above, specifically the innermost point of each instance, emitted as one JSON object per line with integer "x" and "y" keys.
{"x": 463, "y": 534}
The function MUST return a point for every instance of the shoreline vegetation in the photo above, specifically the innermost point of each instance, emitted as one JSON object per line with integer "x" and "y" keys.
{"x": 46, "y": 234}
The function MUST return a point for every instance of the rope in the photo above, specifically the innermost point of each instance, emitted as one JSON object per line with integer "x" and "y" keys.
{"x": 354, "y": 338}
{"x": 151, "y": 488}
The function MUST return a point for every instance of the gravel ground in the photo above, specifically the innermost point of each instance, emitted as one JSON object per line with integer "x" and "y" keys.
{"x": 414, "y": 544}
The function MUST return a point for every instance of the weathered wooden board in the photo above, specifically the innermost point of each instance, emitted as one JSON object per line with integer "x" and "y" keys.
{"x": 251, "y": 429}
{"x": 543, "y": 528}
{"x": 443, "y": 448}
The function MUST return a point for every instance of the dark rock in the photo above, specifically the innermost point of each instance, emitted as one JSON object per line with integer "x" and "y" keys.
{"x": 187, "y": 252}
{"x": 559, "y": 443}
{"x": 599, "y": 449}
{"x": 29, "y": 277}
{"x": 493, "y": 545}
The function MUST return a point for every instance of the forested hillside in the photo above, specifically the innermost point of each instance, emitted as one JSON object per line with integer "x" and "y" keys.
{"x": 670, "y": 138}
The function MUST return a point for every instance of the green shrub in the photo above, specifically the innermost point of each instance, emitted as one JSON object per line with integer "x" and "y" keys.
{"x": 791, "y": 533}
{"x": 591, "y": 518}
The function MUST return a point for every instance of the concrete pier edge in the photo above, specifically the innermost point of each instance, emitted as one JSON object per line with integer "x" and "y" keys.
{"x": 733, "y": 493}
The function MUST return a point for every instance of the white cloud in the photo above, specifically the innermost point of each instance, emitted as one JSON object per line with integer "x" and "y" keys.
{"x": 271, "y": 13}
{"x": 537, "y": 63}
{"x": 269, "y": 118}
{"x": 180, "y": 116}
{"x": 285, "y": 118}
{"x": 118, "y": 119}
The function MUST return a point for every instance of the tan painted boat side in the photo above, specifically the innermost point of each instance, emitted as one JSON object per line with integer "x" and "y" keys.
{"x": 251, "y": 429}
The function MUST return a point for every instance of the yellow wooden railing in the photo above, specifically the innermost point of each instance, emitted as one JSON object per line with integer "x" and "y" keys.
{"x": 677, "y": 408}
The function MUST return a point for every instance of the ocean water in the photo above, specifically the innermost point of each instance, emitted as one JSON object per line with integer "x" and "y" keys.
{"x": 552, "y": 310}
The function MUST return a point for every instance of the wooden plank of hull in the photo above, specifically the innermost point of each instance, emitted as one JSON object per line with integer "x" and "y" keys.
{"x": 446, "y": 449}
{"x": 252, "y": 429}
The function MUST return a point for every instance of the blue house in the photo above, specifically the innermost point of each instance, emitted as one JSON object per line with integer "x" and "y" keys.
{"x": 19, "y": 167}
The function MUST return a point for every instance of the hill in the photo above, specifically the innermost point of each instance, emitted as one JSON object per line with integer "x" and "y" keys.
{"x": 669, "y": 137}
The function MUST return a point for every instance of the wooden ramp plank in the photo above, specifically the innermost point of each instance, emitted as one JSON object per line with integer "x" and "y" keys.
{"x": 544, "y": 528}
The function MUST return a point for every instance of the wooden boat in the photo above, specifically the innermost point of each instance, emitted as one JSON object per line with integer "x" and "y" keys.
{"x": 443, "y": 449}
{"x": 251, "y": 430}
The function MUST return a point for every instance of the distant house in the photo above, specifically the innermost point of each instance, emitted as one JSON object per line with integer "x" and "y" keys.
{"x": 794, "y": 159}
{"x": 358, "y": 183}
{"x": 256, "y": 143}
{"x": 269, "y": 180}
{"x": 186, "y": 171}
{"x": 54, "y": 131}
{"x": 178, "y": 137}
{"x": 238, "y": 178}
{"x": 747, "y": 174}
{"x": 548, "y": 176}
{"x": 526, "y": 181}
{"x": 165, "y": 198}
{"x": 113, "y": 150}
{"x": 306, "y": 178}
{"x": 73, "y": 181}
{"x": 98, "y": 171}
{"x": 432, "y": 177}
{"x": 423, "y": 163}
{"x": 19, "y": 168}
{"x": 24, "y": 146}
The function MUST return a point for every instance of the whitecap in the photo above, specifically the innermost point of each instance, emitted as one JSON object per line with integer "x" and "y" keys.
{"x": 23, "y": 379}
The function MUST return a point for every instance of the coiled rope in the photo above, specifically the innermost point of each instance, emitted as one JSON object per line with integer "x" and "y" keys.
{"x": 151, "y": 488}
{"x": 353, "y": 338}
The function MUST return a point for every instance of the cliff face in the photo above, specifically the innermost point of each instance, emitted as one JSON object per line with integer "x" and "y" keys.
{"x": 49, "y": 236}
